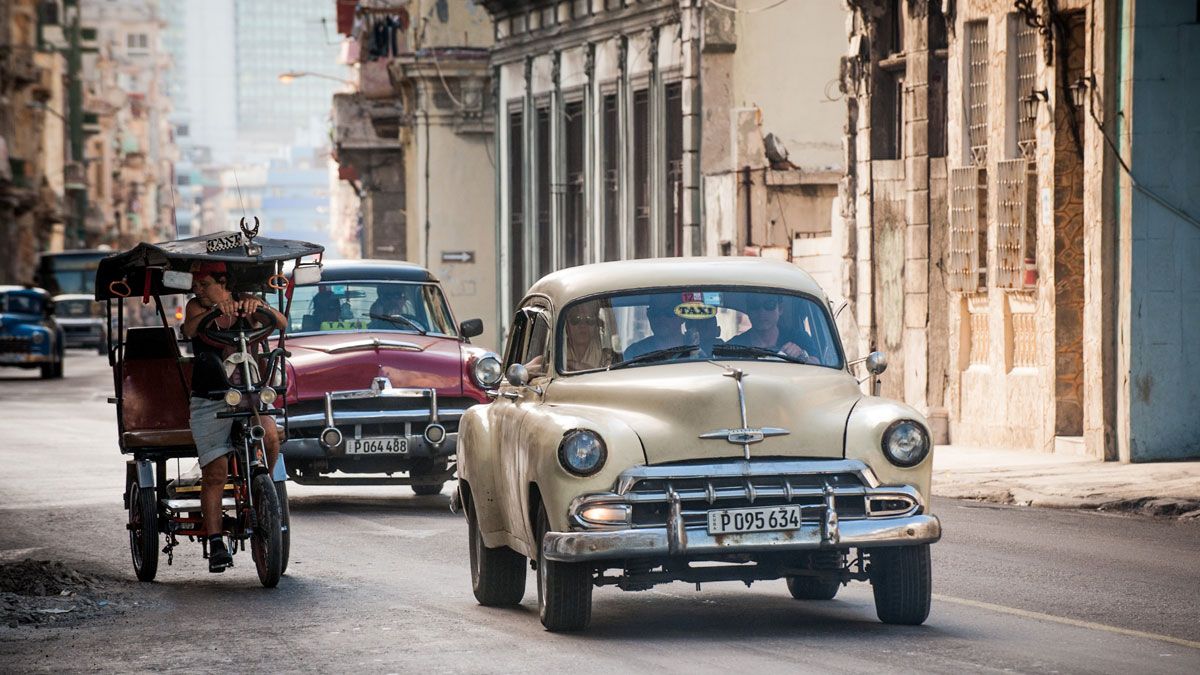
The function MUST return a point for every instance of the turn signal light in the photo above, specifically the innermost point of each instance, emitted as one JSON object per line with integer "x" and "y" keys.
{"x": 606, "y": 514}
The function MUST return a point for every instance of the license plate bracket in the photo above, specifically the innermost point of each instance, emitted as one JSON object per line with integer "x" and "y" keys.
{"x": 391, "y": 445}
{"x": 756, "y": 519}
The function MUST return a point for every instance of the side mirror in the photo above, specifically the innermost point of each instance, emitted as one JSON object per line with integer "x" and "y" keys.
{"x": 471, "y": 328}
{"x": 876, "y": 363}
{"x": 305, "y": 275}
{"x": 180, "y": 281}
{"x": 517, "y": 375}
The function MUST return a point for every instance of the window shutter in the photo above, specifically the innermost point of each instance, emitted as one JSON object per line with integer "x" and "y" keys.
{"x": 1011, "y": 176}
{"x": 963, "y": 261}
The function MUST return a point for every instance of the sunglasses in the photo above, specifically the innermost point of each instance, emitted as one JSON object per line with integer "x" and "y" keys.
{"x": 765, "y": 304}
{"x": 585, "y": 320}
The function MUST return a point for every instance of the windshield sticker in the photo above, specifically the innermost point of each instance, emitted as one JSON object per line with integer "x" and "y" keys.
{"x": 712, "y": 299}
{"x": 223, "y": 243}
{"x": 350, "y": 324}
{"x": 695, "y": 310}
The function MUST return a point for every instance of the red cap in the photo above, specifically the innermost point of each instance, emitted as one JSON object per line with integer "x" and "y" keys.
{"x": 208, "y": 269}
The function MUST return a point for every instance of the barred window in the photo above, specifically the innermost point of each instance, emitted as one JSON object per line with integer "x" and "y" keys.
{"x": 1026, "y": 74}
{"x": 976, "y": 90}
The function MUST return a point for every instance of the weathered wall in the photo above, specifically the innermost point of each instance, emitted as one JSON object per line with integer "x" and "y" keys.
{"x": 1163, "y": 317}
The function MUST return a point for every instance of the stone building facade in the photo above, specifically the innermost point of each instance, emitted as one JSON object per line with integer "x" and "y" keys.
{"x": 993, "y": 254}
{"x": 637, "y": 129}
{"x": 414, "y": 139}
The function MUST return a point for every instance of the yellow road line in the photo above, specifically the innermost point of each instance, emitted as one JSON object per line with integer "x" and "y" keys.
{"x": 1068, "y": 622}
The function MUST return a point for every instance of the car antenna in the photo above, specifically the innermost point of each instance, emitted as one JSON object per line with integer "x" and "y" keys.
{"x": 238, "y": 185}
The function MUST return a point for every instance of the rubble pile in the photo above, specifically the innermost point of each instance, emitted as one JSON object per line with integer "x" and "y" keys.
{"x": 35, "y": 592}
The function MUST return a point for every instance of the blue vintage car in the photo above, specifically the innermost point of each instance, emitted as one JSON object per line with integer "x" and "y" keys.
{"x": 29, "y": 335}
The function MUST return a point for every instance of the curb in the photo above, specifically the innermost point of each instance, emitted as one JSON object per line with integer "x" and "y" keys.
{"x": 1157, "y": 507}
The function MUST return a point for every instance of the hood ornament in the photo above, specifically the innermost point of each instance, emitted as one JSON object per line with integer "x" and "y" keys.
{"x": 744, "y": 435}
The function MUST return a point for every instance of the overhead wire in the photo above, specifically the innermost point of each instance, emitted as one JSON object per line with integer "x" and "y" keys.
{"x": 738, "y": 10}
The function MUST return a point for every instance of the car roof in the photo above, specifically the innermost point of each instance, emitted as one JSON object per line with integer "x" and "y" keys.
{"x": 568, "y": 284}
{"x": 74, "y": 296}
{"x": 28, "y": 289}
{"x": 377, "y": 270}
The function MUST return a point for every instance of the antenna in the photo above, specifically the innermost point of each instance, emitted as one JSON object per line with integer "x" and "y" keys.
{"x": 238, "y": 185}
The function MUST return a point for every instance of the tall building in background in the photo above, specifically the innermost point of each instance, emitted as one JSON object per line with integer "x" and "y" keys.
{"x": 237, "y": 123}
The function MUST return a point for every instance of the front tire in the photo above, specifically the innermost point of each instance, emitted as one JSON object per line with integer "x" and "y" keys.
{"x": 285, "y": 525}
{"x": 428, "y": 490}
{"x": 813, "y": 588}
{"x": 497, "y": 574}
{"x": 266, "y": 542}
{"x": 902, "y": 580}
{"x": 143, "y": 531}
{"x": 564, "y": 589}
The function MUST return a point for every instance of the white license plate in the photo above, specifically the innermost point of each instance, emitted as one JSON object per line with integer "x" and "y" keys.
{"x": 376, "y": 446}
{"x": 764, "y": 519}
{"x": 13, "y": 358}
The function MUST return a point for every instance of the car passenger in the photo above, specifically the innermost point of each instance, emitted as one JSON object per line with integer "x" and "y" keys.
{"x": 767, "y": 331}
{"x": 210, "y": 434}
{"x": 583, "y": 349}
{"x": 666, "y": 328}
{"x": 392, "y": 301}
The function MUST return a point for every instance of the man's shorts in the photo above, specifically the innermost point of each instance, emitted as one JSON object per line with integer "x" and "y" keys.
{"x": 211, "y": 434}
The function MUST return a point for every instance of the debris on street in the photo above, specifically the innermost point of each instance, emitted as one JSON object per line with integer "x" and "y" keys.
{"x": 38, "y": 592}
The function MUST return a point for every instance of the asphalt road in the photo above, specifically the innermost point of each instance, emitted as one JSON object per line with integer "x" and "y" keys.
{"x": 379, "y": 583}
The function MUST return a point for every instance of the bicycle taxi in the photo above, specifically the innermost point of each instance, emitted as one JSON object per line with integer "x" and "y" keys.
{"x": 152, "y": 383}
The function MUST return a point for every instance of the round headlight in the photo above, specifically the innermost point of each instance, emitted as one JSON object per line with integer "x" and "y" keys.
{"x": 487, "y": 371}
{"x": 233, "y": 397}
{"x": 906, "y": 443}
{"x": 268, "y": 395}
{"x": 582, "y": 452}
{"x": 38, "y": 337}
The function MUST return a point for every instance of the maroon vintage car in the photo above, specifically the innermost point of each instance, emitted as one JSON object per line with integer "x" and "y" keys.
{"x": 379, "y": 375}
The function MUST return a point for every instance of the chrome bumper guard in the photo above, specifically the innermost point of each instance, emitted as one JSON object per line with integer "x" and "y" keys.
{"x": 590, "y": 541}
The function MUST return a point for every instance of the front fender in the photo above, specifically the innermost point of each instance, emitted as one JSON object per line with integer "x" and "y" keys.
{"x": 557, "y": 486}
{"x": 868, "y": 420}
{"x": 478, "y": 466}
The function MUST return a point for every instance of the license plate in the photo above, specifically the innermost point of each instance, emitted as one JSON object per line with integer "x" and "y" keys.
{"x": 764, "y": 519}
{"x": 376, "y": 446}
{"x": 13, "y": 358}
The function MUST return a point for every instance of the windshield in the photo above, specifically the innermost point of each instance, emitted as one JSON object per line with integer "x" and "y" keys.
{"x": 78, "y": 309}
{"x": 21, "y": 303}
{"x": 371, "y": 305}
{"x": 644, "y": 328}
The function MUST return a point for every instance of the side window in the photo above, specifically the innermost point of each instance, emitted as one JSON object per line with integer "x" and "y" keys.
{"x": 537, "y": 355}
{"x": 515, "y": 352}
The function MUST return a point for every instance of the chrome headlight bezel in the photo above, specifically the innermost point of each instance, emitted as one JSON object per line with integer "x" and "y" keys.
{"x": 906, "y": 443}
{"x": 487, "y": 371}
{"x": 582, "y": 452}
{"x": 38, "y": 337}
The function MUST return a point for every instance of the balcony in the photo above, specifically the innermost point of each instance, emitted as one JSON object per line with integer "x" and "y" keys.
{"x": 366, "y": 124}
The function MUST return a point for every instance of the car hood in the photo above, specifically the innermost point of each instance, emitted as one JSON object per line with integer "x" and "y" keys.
{"x": 19, "y": 323}
{"x": 345, "y": 361}
{"x": 670, "y": 406}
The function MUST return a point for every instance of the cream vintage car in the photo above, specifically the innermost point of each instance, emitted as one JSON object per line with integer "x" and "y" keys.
{"x": 691, "y": 420}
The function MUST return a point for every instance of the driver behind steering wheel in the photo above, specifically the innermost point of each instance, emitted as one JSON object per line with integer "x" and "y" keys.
{"x": 210, "y": 282}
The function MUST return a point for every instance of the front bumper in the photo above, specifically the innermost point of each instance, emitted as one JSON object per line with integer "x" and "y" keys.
{"x": 666, "y": 509}
{"x": 26, "y": 359}
{"x": 411, "y": 423}
{"x": 664, "y": 542}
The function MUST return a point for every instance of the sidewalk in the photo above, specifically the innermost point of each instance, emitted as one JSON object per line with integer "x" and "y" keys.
{"x": 1169, "y": 489}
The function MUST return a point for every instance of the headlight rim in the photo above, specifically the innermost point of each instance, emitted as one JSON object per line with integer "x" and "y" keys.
{"x": 891, "y": 428}
{"x": 562, "y": 456}
{"x": 499, "y": 370}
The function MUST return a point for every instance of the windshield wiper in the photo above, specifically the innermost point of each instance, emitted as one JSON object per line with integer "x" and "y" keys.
{"x": 401, "y": 319}
{"x": 746, "y": 350}
{"x": 656, "y": 355}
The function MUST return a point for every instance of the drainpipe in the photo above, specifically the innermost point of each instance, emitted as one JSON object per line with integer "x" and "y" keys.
{"x": 691, "y": 29}
{"x": 747, "y": 184}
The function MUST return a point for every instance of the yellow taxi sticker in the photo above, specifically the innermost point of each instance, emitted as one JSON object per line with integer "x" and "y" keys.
{"x": 695, "y": 310}
{"x": 351, "y": 324}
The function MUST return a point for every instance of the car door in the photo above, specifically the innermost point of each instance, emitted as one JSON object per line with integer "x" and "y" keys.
{"x": 530, "y": 346}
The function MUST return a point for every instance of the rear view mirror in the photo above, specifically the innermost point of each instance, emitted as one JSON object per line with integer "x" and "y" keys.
{"x": 180, "y": 281}
{"x": 305, "y": 275}
{"x": 471, "y": 328}
{"x": 517, "y": 375}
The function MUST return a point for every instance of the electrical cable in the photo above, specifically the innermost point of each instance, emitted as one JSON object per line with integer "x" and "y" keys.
{"x": 755, "y": 10}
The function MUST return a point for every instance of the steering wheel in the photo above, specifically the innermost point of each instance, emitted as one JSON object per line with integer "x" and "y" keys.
{"x": 230, "y": 337}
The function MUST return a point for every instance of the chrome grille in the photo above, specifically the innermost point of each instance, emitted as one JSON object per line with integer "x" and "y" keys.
{"x": 14, "y": 345}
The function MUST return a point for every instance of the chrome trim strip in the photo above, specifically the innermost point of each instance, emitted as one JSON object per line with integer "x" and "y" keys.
{"x": 742, "y": 468}
{"x": 374, "y": 417}
{"x": 657, "y": 542}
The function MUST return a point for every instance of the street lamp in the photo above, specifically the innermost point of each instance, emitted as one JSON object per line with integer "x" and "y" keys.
{"x": 1030, "y": 102}
{"x": 291, "y": 75}
{"x": 1079, "y": 90}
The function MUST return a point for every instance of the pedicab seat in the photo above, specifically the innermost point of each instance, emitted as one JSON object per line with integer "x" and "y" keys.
{"x": 155, "y": 386}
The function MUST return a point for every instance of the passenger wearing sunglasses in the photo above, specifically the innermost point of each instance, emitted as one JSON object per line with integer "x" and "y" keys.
{"x": 583, "y": 350}
{"x": 767, "y": 331}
